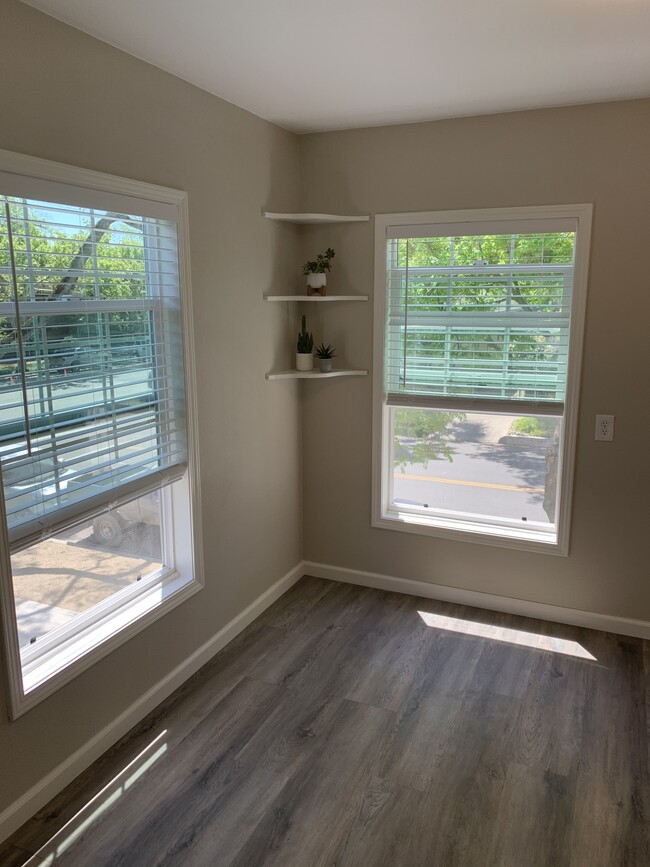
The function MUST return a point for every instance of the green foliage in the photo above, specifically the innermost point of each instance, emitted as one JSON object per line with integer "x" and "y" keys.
{"x": 431, "y": 430}
{"x": 465, "y": 289}
{"x": 550, "y": 248}
{"x": 305, "y": 342}
{"x": 321, "y": 264}
{"x": 323, "y": 351}
{"x": 533, "y": 427}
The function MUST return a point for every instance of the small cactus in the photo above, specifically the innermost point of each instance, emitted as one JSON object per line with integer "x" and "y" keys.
{"x": 305, "y": 343}
{"x": 323, "y": 351}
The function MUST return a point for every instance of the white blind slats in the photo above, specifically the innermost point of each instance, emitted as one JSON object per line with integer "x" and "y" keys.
{"x": 476, "y": 314}
{"x": 478, "y": 404}
{"x": 32, "y": 529}
{"x": 18, "y": 469}
{"x": 91, "y": 362}
{"x": 522, "y": 229}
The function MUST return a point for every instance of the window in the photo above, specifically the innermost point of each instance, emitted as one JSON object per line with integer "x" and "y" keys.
{"x": 99, "y": 508}
{"x": 478, "y": 332}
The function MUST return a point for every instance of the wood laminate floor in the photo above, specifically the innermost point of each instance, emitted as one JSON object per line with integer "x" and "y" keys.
{"x": 348, "y": 726}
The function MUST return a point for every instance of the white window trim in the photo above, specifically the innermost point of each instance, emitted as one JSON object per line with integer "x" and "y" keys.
{"x": 408, "y": 522}
{"x": 161, "y": 593}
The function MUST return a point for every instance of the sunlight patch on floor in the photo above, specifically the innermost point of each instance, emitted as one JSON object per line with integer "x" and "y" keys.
{"x": 50, "y": 853}
{"x": 508, "y": 636}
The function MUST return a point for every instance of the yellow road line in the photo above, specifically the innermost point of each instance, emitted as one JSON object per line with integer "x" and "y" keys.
{"x": 470, "y": 484}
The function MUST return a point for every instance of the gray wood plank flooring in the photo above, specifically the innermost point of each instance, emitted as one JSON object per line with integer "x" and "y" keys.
{"x": 340, "y": 730}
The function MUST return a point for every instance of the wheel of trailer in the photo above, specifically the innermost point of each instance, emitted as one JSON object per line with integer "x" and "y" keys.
{"x": 108, "y": 530}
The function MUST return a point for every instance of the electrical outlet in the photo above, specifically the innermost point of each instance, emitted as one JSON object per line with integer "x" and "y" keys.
{"x": 605, "y": 428}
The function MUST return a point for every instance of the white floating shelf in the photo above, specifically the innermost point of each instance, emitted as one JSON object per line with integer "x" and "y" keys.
{"x": 315, "y": 218}
{"x": 316, "y": 297}
{"x": 312, "y": 374}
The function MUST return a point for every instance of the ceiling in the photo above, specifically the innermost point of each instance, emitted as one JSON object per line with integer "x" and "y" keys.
{"x": 311, "y": 65}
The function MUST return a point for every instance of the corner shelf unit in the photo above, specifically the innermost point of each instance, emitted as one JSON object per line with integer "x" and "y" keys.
{"x": 302, "y": 298}
{"x": 314, "y": 219}
{"x": 312, "y": 374}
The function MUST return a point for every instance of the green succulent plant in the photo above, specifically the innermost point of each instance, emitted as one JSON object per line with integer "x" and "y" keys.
{"x": 321, "y": 264}
{"x": 305, "y": 340}
{"x": 323, "y": 351}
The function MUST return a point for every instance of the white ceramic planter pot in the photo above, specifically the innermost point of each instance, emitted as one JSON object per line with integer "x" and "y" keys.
{"x": 316, "y": 284}
{"x": 325, "y": 365}
{"x": 304, "y": 360}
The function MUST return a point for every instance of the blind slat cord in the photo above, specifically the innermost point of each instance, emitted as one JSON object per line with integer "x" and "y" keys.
{"x": 19, "y": 330}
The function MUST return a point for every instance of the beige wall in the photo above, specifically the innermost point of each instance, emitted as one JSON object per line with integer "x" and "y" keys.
{"x": 596, "y": 153}
{"x": 67, "y": 97}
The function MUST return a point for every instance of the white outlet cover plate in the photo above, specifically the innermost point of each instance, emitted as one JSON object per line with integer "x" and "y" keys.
{"x": 605, "y": 428}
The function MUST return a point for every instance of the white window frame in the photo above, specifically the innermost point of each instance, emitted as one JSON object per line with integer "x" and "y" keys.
{"x": 64, "y": 653}
{"x": 386, "y": 516}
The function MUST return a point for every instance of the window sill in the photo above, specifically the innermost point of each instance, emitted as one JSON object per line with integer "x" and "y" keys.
{"x": 468, "y": 531}
{"x": 53, "y": 668}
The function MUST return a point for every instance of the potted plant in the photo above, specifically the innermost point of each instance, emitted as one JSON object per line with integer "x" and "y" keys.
{"x": 304, "y": 348}
{"x": 325, "y": 354}
{"x": 316, "y": 272}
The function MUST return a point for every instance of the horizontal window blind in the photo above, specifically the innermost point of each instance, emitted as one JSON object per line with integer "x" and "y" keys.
{"x": 91, "y": 364}
{"x": 480, "y": 317}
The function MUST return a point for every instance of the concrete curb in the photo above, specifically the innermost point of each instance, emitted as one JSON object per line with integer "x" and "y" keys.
{"x": 515, "y": 440}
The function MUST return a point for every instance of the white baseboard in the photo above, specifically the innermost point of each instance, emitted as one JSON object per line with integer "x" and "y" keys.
{"x": 24, "y": 808}
{"x": 539, "y": 610}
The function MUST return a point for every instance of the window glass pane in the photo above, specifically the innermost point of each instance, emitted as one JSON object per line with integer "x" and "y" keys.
{"x": 70, "y": 573}
{"x": 483, "y": 465}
